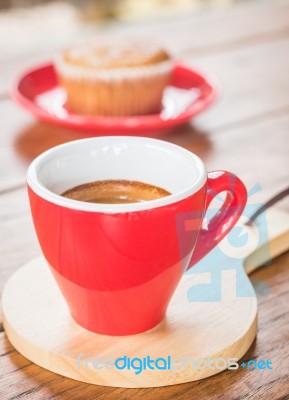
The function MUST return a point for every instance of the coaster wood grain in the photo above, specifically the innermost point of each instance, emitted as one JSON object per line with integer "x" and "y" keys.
{"x": 38, "y": 324}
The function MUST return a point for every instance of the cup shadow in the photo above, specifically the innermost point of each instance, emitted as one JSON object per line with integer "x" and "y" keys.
{"x": 39, "y": 137}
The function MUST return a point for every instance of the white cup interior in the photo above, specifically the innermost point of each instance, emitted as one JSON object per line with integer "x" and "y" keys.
{"x": 146, "y": 160}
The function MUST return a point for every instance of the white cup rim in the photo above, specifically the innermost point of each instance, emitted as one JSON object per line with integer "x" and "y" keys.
{"x": 41, "y": 190}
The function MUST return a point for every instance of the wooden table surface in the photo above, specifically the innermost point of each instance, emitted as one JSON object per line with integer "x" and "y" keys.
{"x": 247, "y": 48}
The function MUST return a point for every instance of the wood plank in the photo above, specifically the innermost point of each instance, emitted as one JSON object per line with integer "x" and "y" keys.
{"x": 22, "y": 380}
{"x": 254, "y": 82}
{"x": 20, "y": 136}
{"x": 217, "y": 30}
{"x": 18, "y": 241}
{"x": 12, "y": 167}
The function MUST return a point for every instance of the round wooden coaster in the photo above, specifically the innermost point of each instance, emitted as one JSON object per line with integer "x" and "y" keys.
{"x": 194, "y": 341}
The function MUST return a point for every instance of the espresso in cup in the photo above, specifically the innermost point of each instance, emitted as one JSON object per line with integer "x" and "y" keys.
{"x": 115, "y": 192}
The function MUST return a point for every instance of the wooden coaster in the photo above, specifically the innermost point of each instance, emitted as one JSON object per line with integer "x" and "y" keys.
{"x": 38, "y": 323}
{"x": 39, "y": 326}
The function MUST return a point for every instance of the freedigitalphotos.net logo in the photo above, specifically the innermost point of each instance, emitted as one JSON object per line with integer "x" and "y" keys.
{"x": 168, "y": 363}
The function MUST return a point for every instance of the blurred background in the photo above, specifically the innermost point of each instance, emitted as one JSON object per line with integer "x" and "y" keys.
{"x": 92, "y": 9}
{"x": 26, "y": 25}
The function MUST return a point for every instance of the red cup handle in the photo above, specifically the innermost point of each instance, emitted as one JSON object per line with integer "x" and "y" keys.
{"x": 226, "y": 217}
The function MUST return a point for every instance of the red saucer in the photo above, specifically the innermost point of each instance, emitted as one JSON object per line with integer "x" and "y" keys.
{"x": 190, "y": 93}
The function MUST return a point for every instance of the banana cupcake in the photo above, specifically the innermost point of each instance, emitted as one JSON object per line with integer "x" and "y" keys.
{"x": 114, "y": 80}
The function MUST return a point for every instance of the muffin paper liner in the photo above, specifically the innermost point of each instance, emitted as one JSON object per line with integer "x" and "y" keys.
{"x": 110, "y": 74}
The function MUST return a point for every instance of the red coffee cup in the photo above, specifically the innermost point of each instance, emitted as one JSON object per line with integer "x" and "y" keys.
{"x": 118, "y": 265}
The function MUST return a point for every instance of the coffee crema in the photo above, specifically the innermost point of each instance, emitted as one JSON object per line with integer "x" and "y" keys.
{"x": 115, "y": 192}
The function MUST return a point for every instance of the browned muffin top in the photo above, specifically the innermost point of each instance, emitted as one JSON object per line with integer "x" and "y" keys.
{"x": 105, "y": 56}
